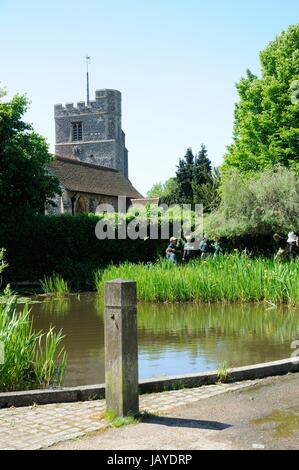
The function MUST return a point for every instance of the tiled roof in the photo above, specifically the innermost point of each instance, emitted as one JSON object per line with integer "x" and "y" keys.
{"x": 87, "y": 178}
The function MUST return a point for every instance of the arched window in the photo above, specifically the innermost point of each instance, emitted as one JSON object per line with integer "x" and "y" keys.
{"x": 77, "y": 131}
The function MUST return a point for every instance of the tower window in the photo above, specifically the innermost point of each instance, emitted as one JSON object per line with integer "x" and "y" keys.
{"x": 77, "y": 130}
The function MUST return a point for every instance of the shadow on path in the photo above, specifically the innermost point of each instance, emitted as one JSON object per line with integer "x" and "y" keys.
{"x": 186, "y": 423}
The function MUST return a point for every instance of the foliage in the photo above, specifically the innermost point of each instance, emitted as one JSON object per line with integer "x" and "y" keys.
{"x": 202, "y": 166}
{"x": 266, "y": 130}
{"x": 167, "y": 192}
{"x": 262, "y": 204}
{"x": 3, "y": 263}
{"x": 226, "y": 278}
{"x": 207, "y": 193}
{"x": 156, "y": 190}
{"x": 184, "y": 177}
{"x": 197, "y": 181}
{"x": 46, "y": 356}
{"x": 25, "y": 184}
{"x": 32, "y": 359}
{"x": 55, "y": 284}
{"x": 39, "y": 246}
{"x": 7, "y": 291}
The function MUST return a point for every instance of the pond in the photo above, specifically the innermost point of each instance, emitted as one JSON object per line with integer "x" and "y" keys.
{"x": 173, "y": 338}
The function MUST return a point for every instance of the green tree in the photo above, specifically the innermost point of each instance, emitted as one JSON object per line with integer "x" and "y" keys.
{"x": 197, "y": 181}
{"x": 156, "y": 190}
{"x": 25, "y": 184}
{"x": 184, "y": 177}
{"x": 170, "y": 193}
{"x": 266, "y": 127}
{"x": 207, "y": 193}
{"x": 205, "y": 181}
{"x": 202, "y": 167}
{"x": 167, "y": 192}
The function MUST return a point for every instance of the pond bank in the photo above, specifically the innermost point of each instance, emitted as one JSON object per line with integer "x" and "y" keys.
{"x": 94, "y": 392}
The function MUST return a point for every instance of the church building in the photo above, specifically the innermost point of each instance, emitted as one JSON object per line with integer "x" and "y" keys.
{"x": 91, "y": 156}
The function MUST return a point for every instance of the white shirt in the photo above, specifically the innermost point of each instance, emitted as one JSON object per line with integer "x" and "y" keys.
{"x": 292, "y": 237}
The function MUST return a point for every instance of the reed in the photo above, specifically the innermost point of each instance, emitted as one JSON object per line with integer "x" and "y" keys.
{"x": 230, "y": 278}
{"x": 55, "y": 284}
{"x": 31, "y": 359}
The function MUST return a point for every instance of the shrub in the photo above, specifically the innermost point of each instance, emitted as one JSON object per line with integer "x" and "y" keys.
{"x": 256, "y": 206}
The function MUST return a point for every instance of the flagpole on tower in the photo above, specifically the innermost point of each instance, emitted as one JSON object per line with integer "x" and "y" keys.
{"x": 87, "y": 58}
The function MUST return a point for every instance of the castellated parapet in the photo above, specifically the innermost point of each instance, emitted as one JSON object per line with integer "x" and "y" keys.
{"x": 92, "y": 132}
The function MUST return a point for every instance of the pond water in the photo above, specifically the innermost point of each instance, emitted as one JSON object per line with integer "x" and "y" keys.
{"x": 173, "y": 338}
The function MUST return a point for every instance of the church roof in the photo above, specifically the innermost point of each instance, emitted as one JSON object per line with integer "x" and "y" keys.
{"x": 82, "y": 177}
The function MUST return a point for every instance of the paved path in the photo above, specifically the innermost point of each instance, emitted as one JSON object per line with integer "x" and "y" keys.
{"x": 260, "y": 415}
{"x": 39, "y": 427}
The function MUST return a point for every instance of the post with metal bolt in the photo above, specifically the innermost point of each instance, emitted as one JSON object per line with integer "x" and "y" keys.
{"x": 121, "y": 347}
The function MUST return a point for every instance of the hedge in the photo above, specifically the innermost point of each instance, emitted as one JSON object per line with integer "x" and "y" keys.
{"x": 67, "y": 245}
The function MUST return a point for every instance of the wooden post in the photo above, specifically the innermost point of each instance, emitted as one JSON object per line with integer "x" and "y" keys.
{"x": 121, "y": 347}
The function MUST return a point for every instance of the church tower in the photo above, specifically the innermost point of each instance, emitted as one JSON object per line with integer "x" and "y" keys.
{"x": 92, "y": 132}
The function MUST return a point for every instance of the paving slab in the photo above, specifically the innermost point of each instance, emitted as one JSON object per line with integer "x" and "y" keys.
{"x": 37, "y": 427}
{"x": 256, "y": 416}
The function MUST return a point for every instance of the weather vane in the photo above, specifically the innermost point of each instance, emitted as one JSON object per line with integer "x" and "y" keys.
{"x": 87, "y": 59}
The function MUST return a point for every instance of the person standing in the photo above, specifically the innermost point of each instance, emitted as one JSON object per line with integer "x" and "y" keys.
{"x": 205, "y": 247}
{"x": 190, "y": 248}
{"x": 282, "y": 246}
{"x": 171, "y": 250}
{"x": 217, "y": 248}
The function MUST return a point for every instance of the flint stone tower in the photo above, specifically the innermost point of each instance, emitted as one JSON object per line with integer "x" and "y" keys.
{"x": 92, "y": 133}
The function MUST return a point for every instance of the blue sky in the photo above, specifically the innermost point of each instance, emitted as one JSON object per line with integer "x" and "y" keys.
{"x": 176, "y": 63}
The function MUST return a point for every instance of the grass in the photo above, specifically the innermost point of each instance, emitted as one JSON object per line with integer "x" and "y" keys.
{"x": 31, "y": 359}
{"x": 222, "y": 372}
{"x": 117, "y": 421}
{"x": 228, "y": 278}
{"x": 55, "y": 284}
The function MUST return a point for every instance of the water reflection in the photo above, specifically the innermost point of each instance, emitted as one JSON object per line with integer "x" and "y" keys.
{"x": 173, "y": 338}
{"x": 56, "y": 307}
